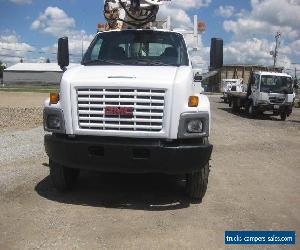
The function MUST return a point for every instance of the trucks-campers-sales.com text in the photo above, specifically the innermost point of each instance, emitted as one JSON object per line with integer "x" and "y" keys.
{"x": 270, "y": 239}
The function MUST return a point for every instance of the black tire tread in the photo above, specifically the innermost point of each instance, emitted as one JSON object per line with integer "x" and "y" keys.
{"x": 63, "y": 178}
{"x": 197, "y": 183}
{"x": 283, "y": 116}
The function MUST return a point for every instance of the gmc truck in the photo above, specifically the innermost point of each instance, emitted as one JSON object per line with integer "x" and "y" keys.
{"x": 132, "y": 106}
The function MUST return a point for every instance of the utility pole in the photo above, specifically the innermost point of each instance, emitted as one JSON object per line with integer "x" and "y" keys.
{"x": 275, "y": 52}
{"x": 296, "y": 70}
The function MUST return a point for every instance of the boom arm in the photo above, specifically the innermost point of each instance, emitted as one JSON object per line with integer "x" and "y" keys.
{"x": 121, "y": 14}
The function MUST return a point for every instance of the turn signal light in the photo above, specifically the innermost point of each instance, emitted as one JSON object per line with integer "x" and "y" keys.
{"x": 101, "y": 27}
{"x": 193, "y": 101}
{"x": 54, "y": 98}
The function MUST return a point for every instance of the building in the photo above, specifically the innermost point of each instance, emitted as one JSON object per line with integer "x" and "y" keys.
{"x": 32, "y": 74}
{"x": 213, "y": 84}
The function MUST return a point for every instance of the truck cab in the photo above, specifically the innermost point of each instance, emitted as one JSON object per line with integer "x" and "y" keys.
{"x": 272, "y": 92}
{"x": 132, "y": 106}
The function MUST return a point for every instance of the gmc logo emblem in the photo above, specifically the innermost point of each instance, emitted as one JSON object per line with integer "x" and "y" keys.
{"x": 119, "y": 111}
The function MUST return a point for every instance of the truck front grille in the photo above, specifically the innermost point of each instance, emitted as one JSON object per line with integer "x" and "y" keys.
{"x": 147, "y": 106}
{"x": 276, "y": 100}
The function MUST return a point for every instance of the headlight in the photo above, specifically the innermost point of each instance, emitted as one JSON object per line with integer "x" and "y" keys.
{"x": 53, "y": 122}
{"x": 195, "y": 126}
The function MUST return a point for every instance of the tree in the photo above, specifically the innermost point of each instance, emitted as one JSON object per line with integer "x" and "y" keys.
{"x": 2, "y": 68}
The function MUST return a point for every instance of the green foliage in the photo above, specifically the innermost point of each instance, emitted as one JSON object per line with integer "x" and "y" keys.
{"x": 2, "y": 68}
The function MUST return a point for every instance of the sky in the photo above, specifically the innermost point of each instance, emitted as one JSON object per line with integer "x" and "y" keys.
{"x": 29, "y": 29}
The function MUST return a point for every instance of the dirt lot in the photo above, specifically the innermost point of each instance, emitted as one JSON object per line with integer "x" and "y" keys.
{"x": 254, "y": 185}
{"x": 21, "y": 110}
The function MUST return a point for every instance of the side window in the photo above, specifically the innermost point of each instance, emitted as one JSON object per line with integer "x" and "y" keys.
{"x": 96, "y": 50}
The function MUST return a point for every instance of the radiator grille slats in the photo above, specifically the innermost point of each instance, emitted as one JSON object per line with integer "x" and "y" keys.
{"x": 147, "y": 105}
{"x": 276, "y": 100}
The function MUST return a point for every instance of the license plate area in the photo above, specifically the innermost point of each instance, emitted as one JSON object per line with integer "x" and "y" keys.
{"x": 276, "y": 106}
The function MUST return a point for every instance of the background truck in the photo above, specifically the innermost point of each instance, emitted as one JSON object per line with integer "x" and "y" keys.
{"x": 132, "y": 106}
{"x": 231, "y": 85}
{"x": 267, "y": 92}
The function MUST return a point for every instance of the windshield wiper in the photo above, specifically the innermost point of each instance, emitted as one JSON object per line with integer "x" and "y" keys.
{"x": 102, "y": 62}
{"x": 149, "y": 62}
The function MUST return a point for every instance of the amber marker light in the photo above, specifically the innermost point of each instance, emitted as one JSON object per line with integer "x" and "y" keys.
{"x": 54, "y": 98}
{"x": 193, "y": 101}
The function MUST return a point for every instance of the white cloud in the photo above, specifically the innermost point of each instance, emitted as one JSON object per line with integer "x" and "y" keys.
{"x": 190, "y": 4}
{"x": 225, "y": 11}
{"x": 21, "y": 2}
{"x": 178, "y": 11}
{"x": 53, "y": 21}
{"x": 78, "y": 40}
{"x": 254, "y": 51}
{"x": 266, "y": 18}
{"x": 295, "y": 47}
{"x": 12, "y": 49}
{"x": 180, "y": 19}
{"x": 254, "y": 31}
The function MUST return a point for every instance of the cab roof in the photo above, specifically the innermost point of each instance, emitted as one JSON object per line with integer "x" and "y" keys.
{"x": 158, "y": 30}
{"x": 266, "y": 73}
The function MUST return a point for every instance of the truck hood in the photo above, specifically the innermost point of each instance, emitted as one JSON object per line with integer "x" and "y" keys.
{"x": 154, "y": 76}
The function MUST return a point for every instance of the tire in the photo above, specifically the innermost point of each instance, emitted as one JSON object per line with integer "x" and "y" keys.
{"x": 63, "y": 178}
{"x": 251, "y": 111}
{"x": 283, "y": 116}
{"x": 235, "y": 107}
{"x": 196, "y": 184}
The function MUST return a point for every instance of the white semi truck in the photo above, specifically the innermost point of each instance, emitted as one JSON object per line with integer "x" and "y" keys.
{"x": 266, "y": 92}
{"x": 132, "y": 106}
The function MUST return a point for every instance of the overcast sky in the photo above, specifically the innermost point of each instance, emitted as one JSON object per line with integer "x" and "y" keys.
{"x": 30, "y": 28}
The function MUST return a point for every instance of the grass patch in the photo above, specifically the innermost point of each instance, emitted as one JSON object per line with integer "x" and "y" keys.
{"x": 38, "y": 89}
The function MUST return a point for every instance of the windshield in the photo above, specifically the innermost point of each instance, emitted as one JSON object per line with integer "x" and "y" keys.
{"x": 133, "y": 47}
{"x": 276, "y": 84}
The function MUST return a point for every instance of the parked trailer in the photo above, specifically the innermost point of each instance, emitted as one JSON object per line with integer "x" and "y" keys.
{"x": 267, "y": 92}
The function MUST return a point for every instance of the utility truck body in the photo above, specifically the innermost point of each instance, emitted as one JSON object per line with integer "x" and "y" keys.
{"x": 270, "y": 92}
{"x": 231, "y": 85}
{"x": 133, "y": 106}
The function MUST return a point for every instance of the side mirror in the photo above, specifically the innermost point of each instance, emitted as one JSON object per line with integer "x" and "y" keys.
{"x": 198, "y": 78}
{"x": 63, "y": 52}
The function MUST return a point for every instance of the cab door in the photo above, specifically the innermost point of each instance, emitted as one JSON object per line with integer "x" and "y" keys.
{"x": 255, "y": 89}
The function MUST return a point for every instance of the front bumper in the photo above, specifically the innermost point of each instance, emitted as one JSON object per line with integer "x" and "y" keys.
{"x": 276, "y": 108}
{"x": 126, "y": 155}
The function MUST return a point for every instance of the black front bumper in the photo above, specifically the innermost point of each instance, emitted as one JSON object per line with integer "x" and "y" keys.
{"x": 126, "y": 155}
{"x": 281, "y": 108}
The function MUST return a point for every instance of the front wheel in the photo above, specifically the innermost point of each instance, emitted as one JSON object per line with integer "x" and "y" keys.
{"x": 196, "y": 183}
{"x": 63, "y": 178}
{"x": 283, "y": 116}
{"x": 251, "y": 111}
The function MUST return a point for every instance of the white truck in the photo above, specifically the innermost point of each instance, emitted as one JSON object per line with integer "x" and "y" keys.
{"x": 266, "y": 92}
{"x": 231, "y": 85}
{"x": 132, "y": 106}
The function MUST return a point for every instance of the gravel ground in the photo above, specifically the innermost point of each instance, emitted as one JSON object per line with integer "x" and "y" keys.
{"x": 15, "y": 118}
{"x": 254, "y": 185}
{"x": 21, "y": 110}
